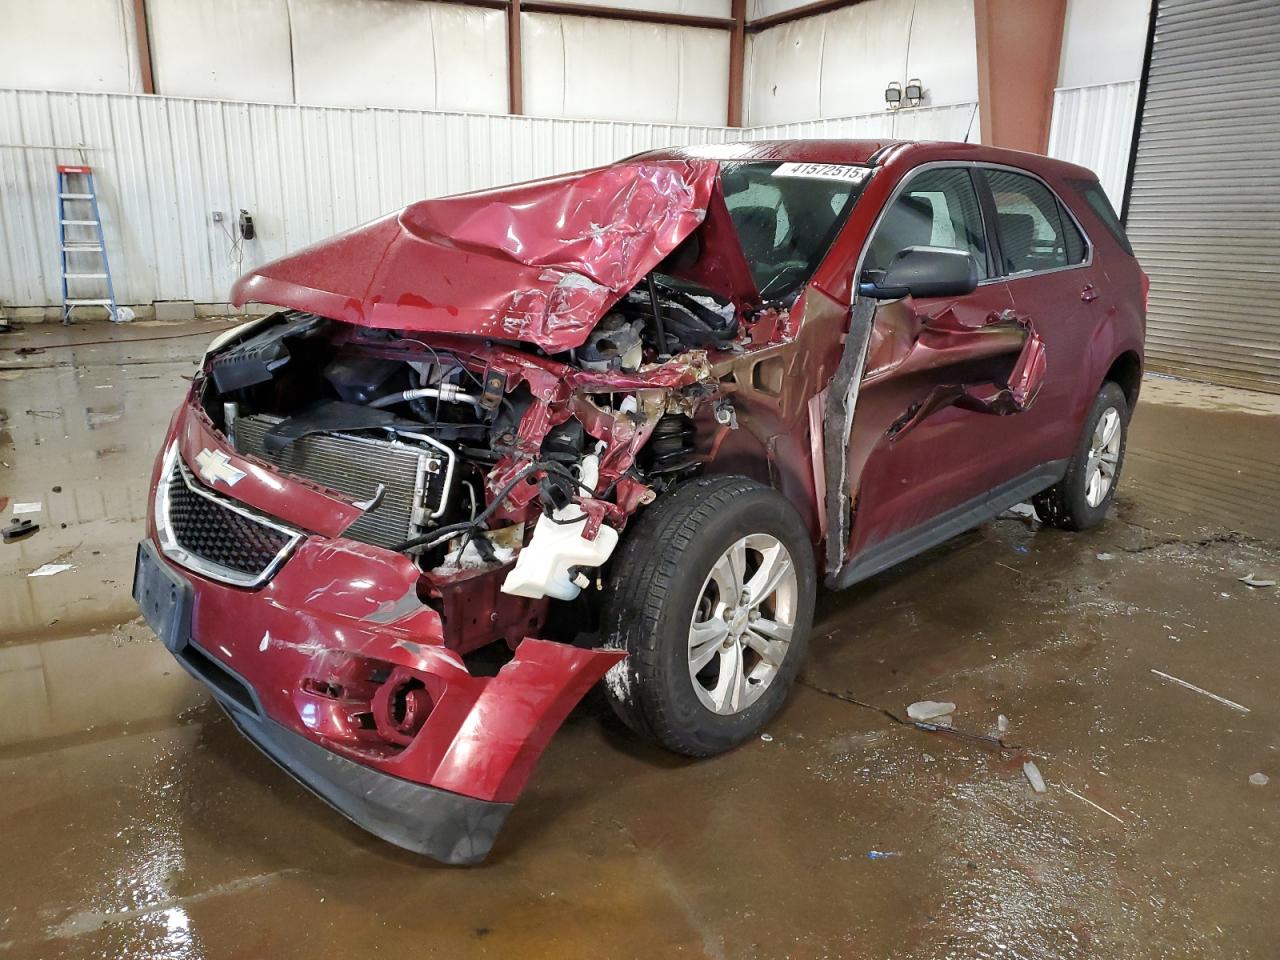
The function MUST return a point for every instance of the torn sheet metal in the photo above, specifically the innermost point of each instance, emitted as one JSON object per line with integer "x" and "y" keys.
{"x": 842, "y": 398}
{"x": 539, "y": 262}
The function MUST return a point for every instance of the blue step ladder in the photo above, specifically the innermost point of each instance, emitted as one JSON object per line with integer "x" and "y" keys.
{"x": 82, "y": 244}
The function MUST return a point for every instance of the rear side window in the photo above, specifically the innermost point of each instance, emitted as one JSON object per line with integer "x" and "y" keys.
{"x": 1097, "y": 200}
{"x": 938, "y": 208}
{"x": 1036, "y": 233}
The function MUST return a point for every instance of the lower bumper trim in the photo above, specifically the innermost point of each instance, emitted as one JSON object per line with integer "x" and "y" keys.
{"x": 445, "y": 826}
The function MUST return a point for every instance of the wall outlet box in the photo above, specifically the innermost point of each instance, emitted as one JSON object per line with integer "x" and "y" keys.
{"x": 217, "y": 216}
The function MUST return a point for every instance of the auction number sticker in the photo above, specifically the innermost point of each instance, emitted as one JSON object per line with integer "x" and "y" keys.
{"x": 845, "y": 172}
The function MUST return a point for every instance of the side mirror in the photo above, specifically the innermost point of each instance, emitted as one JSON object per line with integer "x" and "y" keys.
{"x": 925, "y": 272}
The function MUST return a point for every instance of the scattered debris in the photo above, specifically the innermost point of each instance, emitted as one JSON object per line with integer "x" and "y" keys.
{"x": 18, "y": 530}
{"x": 28, "y": 351}
{"x": 1022, "y": 548}
{"x": 1105, "y": 556}
{"x": 927, "y": 726}
{"x": 930, "y": 710}
{"x": 49, "y": 569}
{"x": 882, "y": 854}
{"x": 27, "y": 507}
{"x": 1259, "y": 779}
{"x": 1002, "y": 723}
{"x": 1094, "y": 805}
{"x": 1251, "y": 581}
{"x": 1191, "y": 686}
{"x": 1033, "y": 777}
{"x": 767, "y": 737}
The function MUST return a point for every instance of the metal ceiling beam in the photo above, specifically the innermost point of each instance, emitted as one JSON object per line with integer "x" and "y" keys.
{"x": 604, "y": 12}
{"x": 799, "y": 13}
{"x": 515, "y": 71}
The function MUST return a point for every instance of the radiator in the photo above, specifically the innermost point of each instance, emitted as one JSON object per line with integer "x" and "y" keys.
{"x": 415, "y": 471}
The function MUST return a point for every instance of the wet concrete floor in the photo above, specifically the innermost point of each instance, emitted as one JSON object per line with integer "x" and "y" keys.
{"x": 137, "y": 823}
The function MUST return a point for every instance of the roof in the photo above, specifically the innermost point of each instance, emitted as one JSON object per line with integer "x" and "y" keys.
{"x": 866, "y": 151}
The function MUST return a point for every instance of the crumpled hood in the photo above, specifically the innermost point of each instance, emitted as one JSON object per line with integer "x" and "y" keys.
{"x": 540, "y": 262}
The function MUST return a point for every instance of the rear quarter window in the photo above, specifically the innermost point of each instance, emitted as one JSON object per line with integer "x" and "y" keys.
{"x": 1092, "y": 193}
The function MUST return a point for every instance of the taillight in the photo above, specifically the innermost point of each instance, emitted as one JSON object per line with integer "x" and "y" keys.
{"x": 1146, "y": 293}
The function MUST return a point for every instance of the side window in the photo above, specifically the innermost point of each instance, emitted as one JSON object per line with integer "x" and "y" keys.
{"x": 1035, "y": 232}
{"x": 938, "y": 208}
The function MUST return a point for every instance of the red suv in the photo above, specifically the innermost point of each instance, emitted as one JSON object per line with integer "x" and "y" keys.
{"x": 620, "y": 424}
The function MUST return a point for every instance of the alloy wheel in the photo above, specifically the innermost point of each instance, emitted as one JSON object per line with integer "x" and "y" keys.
{"x": 1104, "y": 457}
{"x": 743, "y": 623}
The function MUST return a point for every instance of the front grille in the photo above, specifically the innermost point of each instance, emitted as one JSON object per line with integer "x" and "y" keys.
{"x": 214, "y": 537}
{"x": 415, "y": 477}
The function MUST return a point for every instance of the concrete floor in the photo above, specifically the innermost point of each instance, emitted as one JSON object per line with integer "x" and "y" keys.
{"x": 136, "y": 823}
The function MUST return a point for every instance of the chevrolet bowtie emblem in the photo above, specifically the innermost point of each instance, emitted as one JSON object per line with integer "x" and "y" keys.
{"x": 214, "y": 465}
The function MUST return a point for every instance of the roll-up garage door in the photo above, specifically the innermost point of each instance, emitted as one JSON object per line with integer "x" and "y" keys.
{"x": 1204, "y": 208}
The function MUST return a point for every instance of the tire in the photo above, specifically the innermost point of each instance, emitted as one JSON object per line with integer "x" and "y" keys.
{"x": 676, "y": 564}
{"x": 1072, "y": 503}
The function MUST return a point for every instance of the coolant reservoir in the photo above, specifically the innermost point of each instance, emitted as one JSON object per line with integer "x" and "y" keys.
{"x": 542, "y": 568}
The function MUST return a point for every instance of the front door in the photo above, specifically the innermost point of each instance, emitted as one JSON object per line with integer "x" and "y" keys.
{"x": 924, "y": 441}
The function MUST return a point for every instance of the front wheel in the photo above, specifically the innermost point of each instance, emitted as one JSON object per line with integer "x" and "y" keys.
{"x": 1080, "y": 499}
{"x": 712, "y": 598}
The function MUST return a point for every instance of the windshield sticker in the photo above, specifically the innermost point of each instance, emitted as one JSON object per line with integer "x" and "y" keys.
{"x": 845, "y": 172}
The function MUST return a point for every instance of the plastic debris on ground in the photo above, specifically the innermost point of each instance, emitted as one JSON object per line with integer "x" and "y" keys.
{"x": 1002, "y": 723}
{"x": 49, "y": 569}
{"x": 767, "y": 737}
{"x": 882, "y": 854}
{"x": 18, "y": 530}
{"x": 27, "y": 507}
{"x": 1259, "y": 779}
{"x": 1034, "y": 777}
{"x": 1105, "y": 556}
{"x": 930, "y": 710}
{"x": 123, "y": 315}
{"x": 1251, "y": 581}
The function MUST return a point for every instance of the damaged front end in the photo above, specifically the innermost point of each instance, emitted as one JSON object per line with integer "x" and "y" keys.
{"x": 383, "y": 517}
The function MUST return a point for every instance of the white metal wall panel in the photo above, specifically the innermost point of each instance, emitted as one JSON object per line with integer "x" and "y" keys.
{"x": 588, "y": 67}
{"x": 1204, "y": 211}
{"x": 839, "y": 63}
{"x": 1103, "y": 42}
{"x": 406, "y": 54}
{"x": 233, "y": 49}
{"x": 1093, "y": 126}
{"x": 68, "y": 45}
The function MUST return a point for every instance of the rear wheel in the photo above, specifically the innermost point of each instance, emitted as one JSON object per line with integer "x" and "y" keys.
{"x": 712, "y": 598}
{"x": 1080, "y": 499}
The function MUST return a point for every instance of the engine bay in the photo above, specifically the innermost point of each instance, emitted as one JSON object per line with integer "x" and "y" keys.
{"x": 463, "y": 452}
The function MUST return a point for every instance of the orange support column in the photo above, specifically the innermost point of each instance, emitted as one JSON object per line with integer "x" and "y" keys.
{"x": 1019, "y": 46}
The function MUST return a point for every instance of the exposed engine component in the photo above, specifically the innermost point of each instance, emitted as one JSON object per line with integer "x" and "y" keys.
{"x": 414, "y": 472}
{"x": 255, "y": 360}
{"x": 670, "y": 453}
{"x": 616, "y": 344}
{"x": 548, "y": 565}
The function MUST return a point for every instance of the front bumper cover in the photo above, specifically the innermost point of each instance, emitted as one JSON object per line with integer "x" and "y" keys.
{"x": 489, "y": 732}
{"x": 442, "y": 825}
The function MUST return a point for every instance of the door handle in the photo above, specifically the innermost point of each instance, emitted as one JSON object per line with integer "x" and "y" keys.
{"x": 1089, "y": 293}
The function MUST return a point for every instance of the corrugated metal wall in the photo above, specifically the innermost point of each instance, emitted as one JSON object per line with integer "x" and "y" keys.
{"x": 1204, "y": 209}
{"x": 164, "y": 164}
{"x": 1093, "y": 126}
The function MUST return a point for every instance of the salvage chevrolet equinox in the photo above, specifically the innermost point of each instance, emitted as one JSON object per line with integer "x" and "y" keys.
{"x": 617, "y": 426}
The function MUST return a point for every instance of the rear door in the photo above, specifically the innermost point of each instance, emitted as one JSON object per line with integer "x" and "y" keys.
{"x": 1047, "y": 262}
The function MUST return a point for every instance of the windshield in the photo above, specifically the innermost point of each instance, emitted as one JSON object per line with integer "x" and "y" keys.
{"x": 787, "y": 215}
